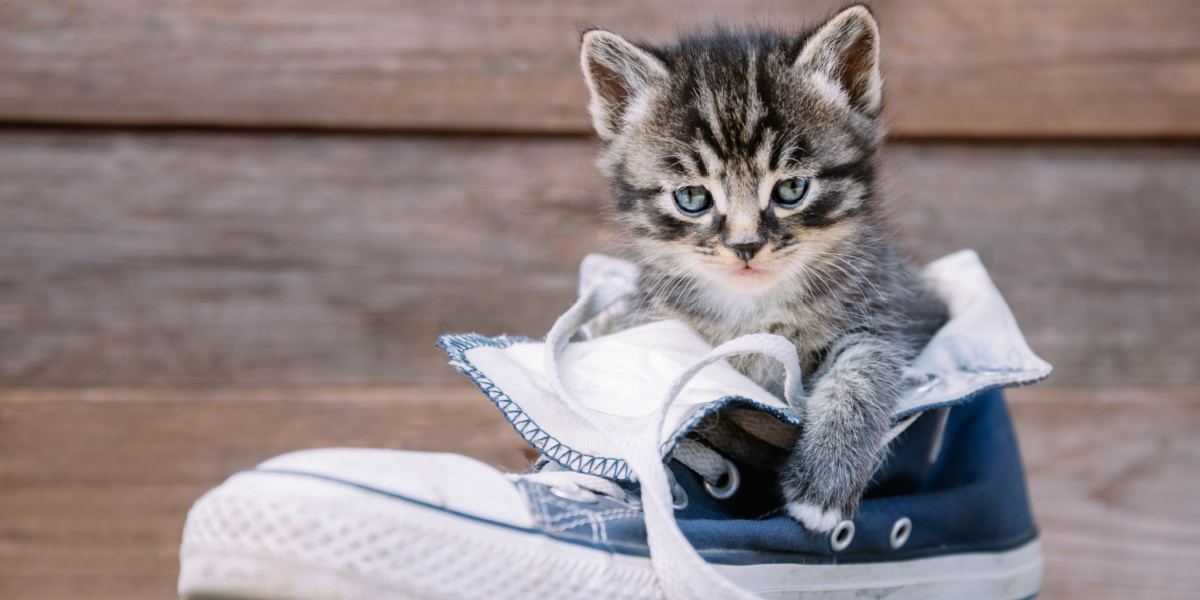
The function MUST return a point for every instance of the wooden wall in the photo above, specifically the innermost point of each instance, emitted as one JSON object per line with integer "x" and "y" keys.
{"x": 230, "y": 229}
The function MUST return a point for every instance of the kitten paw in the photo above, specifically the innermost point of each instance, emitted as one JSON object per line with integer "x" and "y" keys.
{"x": 814, "y": 517}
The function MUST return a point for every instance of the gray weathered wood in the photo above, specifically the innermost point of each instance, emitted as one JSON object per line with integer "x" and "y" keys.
{"x": 226, "y": 259}
{"x": 94, "y": 484}
{"x": 1113, "y": 473}
{"x": 1003, "y": 68}
{"x": 1094, "y": 247}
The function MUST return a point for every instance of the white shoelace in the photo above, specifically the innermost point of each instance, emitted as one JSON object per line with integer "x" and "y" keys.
{"x": 680, "y": 570}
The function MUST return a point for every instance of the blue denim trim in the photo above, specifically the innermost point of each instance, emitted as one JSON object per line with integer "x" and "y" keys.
{"x": 964, "y": 399}
{"x": 456, "y": 346}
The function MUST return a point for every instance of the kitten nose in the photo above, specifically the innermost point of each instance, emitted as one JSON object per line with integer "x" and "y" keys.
{"x": 746, "y": 250}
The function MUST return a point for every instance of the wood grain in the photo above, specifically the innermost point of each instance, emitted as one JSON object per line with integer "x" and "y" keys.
{"x": 1010, "y": 68}
{"x": 1114, "y": 474}
{"x": 94, "y": 484}
{"x": 206, "y": 259}
{"x": 278, "y": 260}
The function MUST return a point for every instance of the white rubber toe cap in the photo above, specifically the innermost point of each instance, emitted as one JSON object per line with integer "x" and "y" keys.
{"x": 449, "y": 481}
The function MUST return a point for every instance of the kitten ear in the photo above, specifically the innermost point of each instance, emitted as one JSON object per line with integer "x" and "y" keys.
{"x": 846, "y": 51}
{"x": 617, "y": 73}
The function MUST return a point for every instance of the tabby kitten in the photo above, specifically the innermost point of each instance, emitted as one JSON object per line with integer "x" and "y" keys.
{"x": 743, "y": 170}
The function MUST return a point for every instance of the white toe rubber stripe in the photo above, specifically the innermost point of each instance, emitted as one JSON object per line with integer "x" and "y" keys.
{"x": 261, "y": 536}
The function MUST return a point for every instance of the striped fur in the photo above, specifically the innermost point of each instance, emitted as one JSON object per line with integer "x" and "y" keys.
{"x": 737, "y": 113}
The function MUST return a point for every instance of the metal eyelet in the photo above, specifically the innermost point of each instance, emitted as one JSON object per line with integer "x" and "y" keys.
{"x": 576, "y": 495}
{"x": 732, "y": 480}
{"x": 900, "y": 532}
{"x": 679, "y": 498}
{"x": 842, "y": 535}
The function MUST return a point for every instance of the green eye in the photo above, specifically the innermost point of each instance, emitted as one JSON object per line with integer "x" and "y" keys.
{"x": 693, "y": 199}
{"x": 790, "y": 192}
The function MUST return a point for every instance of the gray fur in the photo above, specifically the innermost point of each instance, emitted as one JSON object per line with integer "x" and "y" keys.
{"x": 735, "y": 113}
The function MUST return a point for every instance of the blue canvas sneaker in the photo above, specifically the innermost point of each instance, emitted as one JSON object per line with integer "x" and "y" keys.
{"x": 655, "y": 479}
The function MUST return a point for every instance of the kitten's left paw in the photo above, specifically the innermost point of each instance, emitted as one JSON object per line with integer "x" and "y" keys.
{"x": 814, "y": 517}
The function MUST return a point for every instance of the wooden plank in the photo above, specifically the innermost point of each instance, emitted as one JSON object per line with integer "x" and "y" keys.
{"x": 216, "y": 259}
{"x": 207, "y": 259}
{"x": 1113, "y": 476}
{"x": 1009, "y": 68}
{"x": 94, "y": 485}
{"x": 1093, "y": 246}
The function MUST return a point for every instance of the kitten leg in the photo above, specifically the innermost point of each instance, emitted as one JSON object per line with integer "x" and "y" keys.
{"x": 847, "y": 415}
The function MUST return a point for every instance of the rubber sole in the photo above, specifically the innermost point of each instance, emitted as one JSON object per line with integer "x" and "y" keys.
{"x": 273, "y": 537}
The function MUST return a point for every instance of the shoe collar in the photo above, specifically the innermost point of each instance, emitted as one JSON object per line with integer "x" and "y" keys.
{"x": 619, "y": 377}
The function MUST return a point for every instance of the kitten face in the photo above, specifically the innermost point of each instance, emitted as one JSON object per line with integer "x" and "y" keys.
{"x": 740, "y": 160}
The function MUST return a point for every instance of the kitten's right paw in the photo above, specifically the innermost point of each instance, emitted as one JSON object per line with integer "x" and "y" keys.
{"x": 810, "y": 498}
{"x": 813, "y": 517}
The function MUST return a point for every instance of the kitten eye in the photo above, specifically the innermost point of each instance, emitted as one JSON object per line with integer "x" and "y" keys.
{"x": 790, "y": 192}
{"x": 693, "y": 199}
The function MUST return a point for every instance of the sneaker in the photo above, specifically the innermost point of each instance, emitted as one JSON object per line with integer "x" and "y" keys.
{"x": 672, "y": 500}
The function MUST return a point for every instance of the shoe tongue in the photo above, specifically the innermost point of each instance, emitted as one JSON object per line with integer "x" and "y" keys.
{"x": 747, "y": 437}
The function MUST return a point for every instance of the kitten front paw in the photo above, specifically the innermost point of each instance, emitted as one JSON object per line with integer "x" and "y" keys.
{"x": 813, "y": 517}
{"x": 816, "y": 495}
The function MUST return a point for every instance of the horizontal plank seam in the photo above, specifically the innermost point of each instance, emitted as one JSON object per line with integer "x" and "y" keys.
{"x": 1183, "y": 135}
{"x": 1076, "y": 394}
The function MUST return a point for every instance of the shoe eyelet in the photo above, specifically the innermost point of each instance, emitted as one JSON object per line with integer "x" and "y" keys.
{"x": 842, "y": 535}
{"x": 900, "y": 532}
{"x": 679, "y": 498}
{"x": 576, "y": 495}
{"x": 732, "y": 481}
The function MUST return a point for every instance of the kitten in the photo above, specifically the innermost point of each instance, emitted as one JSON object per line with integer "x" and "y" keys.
{"x": 743, "y": 170}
